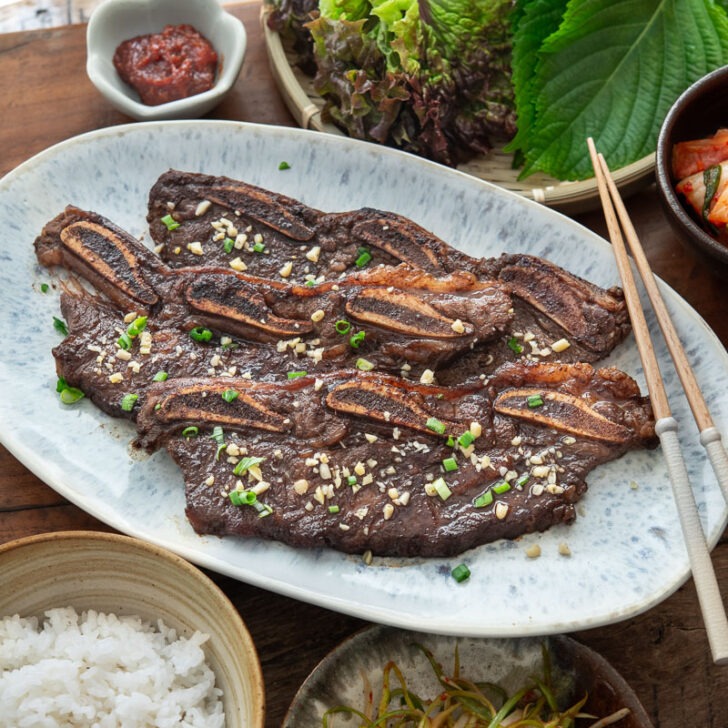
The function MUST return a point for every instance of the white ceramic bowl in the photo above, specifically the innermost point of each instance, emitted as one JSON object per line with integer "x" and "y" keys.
{"x": 112, "y": 573}
{"x": 115, "y": 21}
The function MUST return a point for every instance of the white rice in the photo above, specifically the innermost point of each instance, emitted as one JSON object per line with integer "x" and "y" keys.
{"x": 102, "y": 670}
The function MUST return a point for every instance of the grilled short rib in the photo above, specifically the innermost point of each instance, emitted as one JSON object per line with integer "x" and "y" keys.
{"x": 552, "y": 304}
{"x": 370, "y": 462}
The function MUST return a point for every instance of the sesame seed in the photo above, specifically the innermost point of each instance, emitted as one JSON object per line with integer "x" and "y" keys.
{"x": 564, "y": 549}
{"x": 344, "y": 526}
{"x": 286, "y": 269}
{"x": 317, "y": 315}
{"x": 560, "y": 345}
{"x": 428, "y": 377}
{"x": 195, "y": 248}
{"x": 457, "y": 326}
{"x": 210, "y": 480}
{"x": 388, "y": 511}
{"x": 568, "y": 440}
{"x": 537, "y": 489}
{"x": 123, "y": 354}
{"x": 116, "y": 377}
{"x": 257, "y": 238}
{"x": 533, "y": 551}
{"x": 476, "y": 429}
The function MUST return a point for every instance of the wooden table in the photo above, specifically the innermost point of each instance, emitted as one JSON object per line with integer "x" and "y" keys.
{"x": 663, "y": 653}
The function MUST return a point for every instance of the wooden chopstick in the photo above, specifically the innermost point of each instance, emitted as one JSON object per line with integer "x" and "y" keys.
{"x": 706, "y": 584}
{"x": 710, "y": 436}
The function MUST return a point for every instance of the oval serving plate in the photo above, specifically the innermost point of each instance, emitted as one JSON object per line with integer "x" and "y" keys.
{"x": 306, "y": 105}
{"x": 626, "y": 544}
{"x": 344, "y": 675}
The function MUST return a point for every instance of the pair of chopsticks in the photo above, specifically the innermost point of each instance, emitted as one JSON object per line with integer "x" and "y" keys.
{"x": 706, "y": 585}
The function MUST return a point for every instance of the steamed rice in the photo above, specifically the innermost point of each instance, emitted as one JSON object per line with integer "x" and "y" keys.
{"x": 97, "y": 669}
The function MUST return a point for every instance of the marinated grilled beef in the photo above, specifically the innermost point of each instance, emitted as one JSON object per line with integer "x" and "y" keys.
{"x": 232, "y": 220}
{"x": 478, "y": 438}
{"x": 369, "y": 462}
{"x": 389, "y": 316}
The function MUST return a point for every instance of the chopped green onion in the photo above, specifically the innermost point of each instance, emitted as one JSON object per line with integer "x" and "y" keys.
{"x": 435, "y": 425}
{"x": 357, "y": 338}
{"x": 534, "y": 400}
{"x": 68, "y": 395}
{"x": 231, "y": 345}
{"x": 484, "y": 499}
{"x": 190, "y": 431}
{"x": 514, "y": 345}
{"x": 351, "y": 480}
{"x": 244, "y": 464}
{"x": 364, "y": 364}
{"x": 60, "y": 326}
{"x": 258, "y": 248}
{"x": 263, "y": 509}
{"x": 523, "y": 480}
{"x": 200, "y": 334}
{"x": 450, "y": 442}
{"x": 219, "y": 437}
{"x": 364, "y": 257}
{"x": 450, "y": 464}
{"x": 124, "y": 341}
{"x": 44, "y": 288}
{"x": 466, "y": 439}
{"x": 170, "y": 222}
{"x": 242, "y": 497}
{"x": 502, "y": 487}
{"x": 230, "y": 395}
{"x": 160, "y": 376}
{"x": 128, "y": 401}
{"x": 460, "y": 573}
{"x": 157, "y": 406}
{"x": 441, "y": 488}
{"x": 310, "y": 283}
{"x": 284, "y": 165}
{"x": 342, "y": 327}
{"x": 228, "y": 245}
{"x": 296, "y": 375}
{"x": 137, "y": 326}
{"x": 334, "y": 509}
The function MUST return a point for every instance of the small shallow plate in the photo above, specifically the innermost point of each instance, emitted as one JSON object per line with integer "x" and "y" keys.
{"x": 626, "y": 544}
{"x": 342, "y": 677}
{"x": 115, "y": 21}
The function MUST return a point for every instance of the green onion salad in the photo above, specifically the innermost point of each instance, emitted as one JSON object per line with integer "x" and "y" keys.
{"x": 464, "y": 703}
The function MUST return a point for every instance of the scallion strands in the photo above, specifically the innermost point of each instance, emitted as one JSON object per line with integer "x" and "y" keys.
{"x": 283, "y": 166}
{"x": 466, "y": 439}
{"x": 523, "y": 480}
{"x": 44, "y": 288}
{"x": 483, "y": 500}
{"x": 342, "y": 327}
{"x": 351, "y": 480}
{"x": 435, "y": 425}
{"x": 244, "y": 464}
{"x": 334, "y": 509}
{"x": 68, "y": 395}
{"x": 356, "y": 340}
{"x": 228, "y": 244}
{"x": 191, "y": 431}
{"x": 515, "y": 346}
{"x": 200, "y": 334}
{"x": 258, "y": 247}
{"x": 160, "y": 376}
{"x": 128, "y": 401}
{"x": 242, "y": 497}
{"x": 219, "y": 437}
{"x": 297, "y": 375}
{"x": 170, "y": 223}
{"x": 60, "y": 326}
{"x": 450, "y": 464}
{"x": 124, "y": 341}
{"x": 441, "y": 488}
{"x": 364, "y": 365}
{"x": 460, "y": 573}
{"x": 137, "y": 326}
{"x": 364, "y": 257}
{"x": 534, "y": 400}
{"x": 502, "y": 487}
{"x": 230, "y": 395}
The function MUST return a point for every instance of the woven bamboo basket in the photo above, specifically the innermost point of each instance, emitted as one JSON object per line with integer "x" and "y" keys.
{"x": 571, "y": 197}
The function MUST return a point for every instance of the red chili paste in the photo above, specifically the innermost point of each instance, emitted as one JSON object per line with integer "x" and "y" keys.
{"x": 166, "y": 66}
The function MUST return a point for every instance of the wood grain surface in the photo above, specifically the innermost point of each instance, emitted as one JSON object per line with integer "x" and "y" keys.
{"x": 662, "y": 653}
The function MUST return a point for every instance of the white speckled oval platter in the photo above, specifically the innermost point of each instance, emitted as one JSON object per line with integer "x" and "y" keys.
{"x": 626, "y": 546}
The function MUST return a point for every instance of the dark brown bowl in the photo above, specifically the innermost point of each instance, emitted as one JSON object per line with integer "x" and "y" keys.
{"x": 699, "y": 112}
